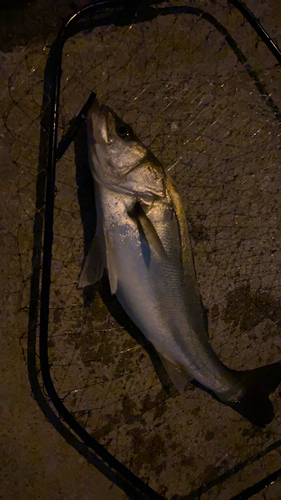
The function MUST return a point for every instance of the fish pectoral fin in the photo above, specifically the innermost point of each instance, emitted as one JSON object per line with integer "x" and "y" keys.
{"x": 94, "y": 264}
{"x": 178, "y": 376}
{"x": 147, "y": 229}
{"x": 112, "y": 275}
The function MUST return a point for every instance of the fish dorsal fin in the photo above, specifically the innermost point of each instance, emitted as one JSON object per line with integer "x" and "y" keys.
{"x": 187, "y": 256}
{"x": 198, "y": 316}
{"x": 95, "y": 262}
{"x": 112, "y": 275}
{"x": 147, "y": 230}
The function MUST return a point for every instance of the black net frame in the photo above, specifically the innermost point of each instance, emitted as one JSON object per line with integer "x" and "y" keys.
{"x": 101, "y": 13}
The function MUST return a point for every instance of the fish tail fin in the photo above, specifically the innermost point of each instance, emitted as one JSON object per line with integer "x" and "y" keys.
{"x": 255, "y": 404}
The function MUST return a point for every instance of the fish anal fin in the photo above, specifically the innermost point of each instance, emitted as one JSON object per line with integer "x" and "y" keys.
{"x": 177, "y": 375}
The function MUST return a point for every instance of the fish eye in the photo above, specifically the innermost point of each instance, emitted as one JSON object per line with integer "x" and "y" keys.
{"x": 124, "y": 131}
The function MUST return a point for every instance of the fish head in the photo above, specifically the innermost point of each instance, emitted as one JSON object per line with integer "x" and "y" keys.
{"x": 114, "y": 149}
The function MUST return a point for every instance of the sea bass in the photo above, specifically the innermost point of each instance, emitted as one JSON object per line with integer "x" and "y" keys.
{"x": 142, "y": 240}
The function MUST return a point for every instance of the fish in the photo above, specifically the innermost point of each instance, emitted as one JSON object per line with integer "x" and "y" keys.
{"x": 143, "y": 242}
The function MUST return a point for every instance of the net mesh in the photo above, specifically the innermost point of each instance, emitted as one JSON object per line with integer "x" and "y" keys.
{"x": 179, "y": 84}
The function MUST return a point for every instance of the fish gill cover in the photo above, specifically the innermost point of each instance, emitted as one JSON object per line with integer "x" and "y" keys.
{"x": 207, "y": 116}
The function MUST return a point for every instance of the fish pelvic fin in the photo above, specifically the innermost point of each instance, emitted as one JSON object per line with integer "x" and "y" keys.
{"x": 178, "y": 376}
{"x": 94, "y": 263}
{"x": 112, "y": 274}
{"x": 255, "y": 404}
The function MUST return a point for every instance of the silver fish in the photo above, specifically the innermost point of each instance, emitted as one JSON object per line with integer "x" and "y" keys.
{"x": 142, "y": 240}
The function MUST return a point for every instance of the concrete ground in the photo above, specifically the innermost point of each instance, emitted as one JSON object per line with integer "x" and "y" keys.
{"x": 181, "y": 87}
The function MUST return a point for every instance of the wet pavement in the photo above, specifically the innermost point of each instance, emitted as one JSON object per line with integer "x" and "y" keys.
{"x": 180, "y": 85}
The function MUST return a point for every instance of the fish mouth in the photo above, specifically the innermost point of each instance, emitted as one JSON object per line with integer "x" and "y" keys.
{"x": 99, "y": 109}
{"x": 98, "y": 118}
